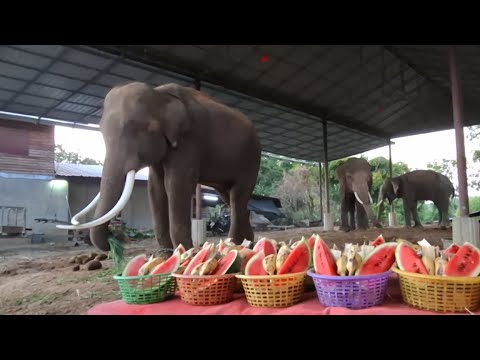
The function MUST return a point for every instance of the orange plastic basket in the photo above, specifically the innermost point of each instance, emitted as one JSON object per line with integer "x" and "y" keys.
{"x": 439, "y": 293}
{"x": 207, "y": 289}
{"x": 274, "y": 290}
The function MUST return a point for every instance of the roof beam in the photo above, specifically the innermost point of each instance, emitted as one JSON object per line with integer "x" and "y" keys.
{"x": 185, "y": 69}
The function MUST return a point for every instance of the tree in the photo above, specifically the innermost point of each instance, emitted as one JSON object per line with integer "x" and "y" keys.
{"x": 62, "y": 156}
{"x": 270, "y": 174}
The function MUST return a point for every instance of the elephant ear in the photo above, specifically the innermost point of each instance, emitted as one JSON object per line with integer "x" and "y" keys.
{"x": 174, "y": 118}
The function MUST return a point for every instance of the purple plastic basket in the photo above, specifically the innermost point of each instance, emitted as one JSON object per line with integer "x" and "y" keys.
{"x": 353, "y": 292}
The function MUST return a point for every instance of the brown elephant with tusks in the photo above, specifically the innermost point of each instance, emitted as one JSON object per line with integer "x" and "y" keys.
{"x": 355, "y": 177}
{"x": 184, "y": 137}
{"x": 414, "y": 186}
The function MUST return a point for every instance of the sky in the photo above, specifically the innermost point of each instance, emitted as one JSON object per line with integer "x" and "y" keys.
{"x": 416, "y": 151}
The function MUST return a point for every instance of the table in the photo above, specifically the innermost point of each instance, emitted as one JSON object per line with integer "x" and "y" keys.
{"x": 239, "y": 306}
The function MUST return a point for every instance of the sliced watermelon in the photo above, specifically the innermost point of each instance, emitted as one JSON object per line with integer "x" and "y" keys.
{"x": 168, "y": 266}
{"x": 379, "y": 260}
{"x": 267, "y": 245}
{"x": 408, "y": 260}
{"x": 451, "y": 250}
{"x": 246, "y": 254}
{"x": 255, "y": 265}
{"x": 465, "y": 262}
{"x": 324, "y": 262}
{"x": 181, "y": 249}
{"x": 134, "y": 265}
{"x": 230, "y": 263}
{"x": 311, "y": 241}
{"x": 199, "y": 258}
{"x": 298, "y": 260}
{"x": 378, "y": 241}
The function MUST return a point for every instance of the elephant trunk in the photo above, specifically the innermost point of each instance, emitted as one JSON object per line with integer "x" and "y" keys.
{"x": 363, "y": 197}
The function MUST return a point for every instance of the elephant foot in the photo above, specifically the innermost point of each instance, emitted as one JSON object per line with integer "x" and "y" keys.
{"x": 378, "y": 225}
{"x": 345, "y": 228}
{"x": 418, "y": 226}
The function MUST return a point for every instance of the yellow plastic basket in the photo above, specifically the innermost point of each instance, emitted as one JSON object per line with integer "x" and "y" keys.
{"x": 274, "y": 290}
{"x": 206, "y": 289}
{"x": 439, "y": 293}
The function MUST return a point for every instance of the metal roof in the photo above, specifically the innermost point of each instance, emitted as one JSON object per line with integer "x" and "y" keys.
{"x": 368, "y": 94}
{"x": 82, "y": 170}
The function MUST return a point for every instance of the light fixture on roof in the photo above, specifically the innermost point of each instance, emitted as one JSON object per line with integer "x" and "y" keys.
{"x": 210, "y": 197}
{"x": 265, "y": 58}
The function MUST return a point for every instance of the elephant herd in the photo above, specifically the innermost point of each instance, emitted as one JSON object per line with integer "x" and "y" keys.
{"x": 355, "y": 178}
{"x": 186, "y": 138}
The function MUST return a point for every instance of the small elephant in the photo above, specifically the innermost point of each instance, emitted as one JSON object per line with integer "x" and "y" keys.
{"x": 414, "y": 186}
{"x": 355, "y": 177}
{"x": 184, "y": 137}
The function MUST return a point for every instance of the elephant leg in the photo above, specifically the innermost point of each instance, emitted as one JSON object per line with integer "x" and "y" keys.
{"x": 406, "y": 213}
{"x": 416, "y": 219}
{"x": 240, "y": 227}
{"x": 180, "y": 190}
{"x": 344, "y": 209}
{"x": 351, "y": 214}
{"x": 159, "y": 206}
{"x": 442, "y": 207}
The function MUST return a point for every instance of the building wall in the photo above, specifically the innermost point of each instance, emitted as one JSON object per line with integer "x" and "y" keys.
{"x": 43, "y": 198}
{"x": 26, "y": 148}
{"x": 136, "y": 213}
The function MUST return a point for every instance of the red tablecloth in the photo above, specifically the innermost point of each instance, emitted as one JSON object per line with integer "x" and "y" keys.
{"x": 239, "y": 306}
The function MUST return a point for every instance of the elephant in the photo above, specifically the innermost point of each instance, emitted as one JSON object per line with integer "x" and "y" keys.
{"x": 355, "y": 178}
{"x": 185, "y": 138}
{"x": 414, "y": 186}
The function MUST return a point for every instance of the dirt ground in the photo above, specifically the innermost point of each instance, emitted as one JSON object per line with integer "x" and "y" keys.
{"x": 37, "y": 279}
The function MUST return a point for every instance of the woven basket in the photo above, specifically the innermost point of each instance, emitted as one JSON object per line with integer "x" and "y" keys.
{"x": 206, "y": 289}
{"x": 439, "y": 293}
{"x": 146, "y": 289}
{"x": 352, "y": 292}
{"x": 274, "y": 290}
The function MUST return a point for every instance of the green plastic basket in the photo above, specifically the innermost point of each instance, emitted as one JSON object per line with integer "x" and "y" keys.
{"x": 146, "y": 289}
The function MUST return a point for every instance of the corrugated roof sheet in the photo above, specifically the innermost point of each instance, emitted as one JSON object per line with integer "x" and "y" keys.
{"x": 94, "y": 171}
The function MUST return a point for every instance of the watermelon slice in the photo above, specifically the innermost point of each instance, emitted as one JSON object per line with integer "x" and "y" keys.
{"x": 378, "y": 241}
{"x": 379, "y": 260}
{"x": 134, "y": 265}
{"x": 181, "y": 249}
{"x": 408, "y": 260}
{"x": 246, "y": 255}
{"x": 168, "y": 266}
{"x": 199, "y": 258}
{"x": 267, "y": 245}
{"x": 228, "y": 264}
{"x": 311, "y": 241}
{"x": 255, "y": 265}
{"x": 324, "y": 262}
{"x": 466, "y": 262}
{"x": 451, "y": 250}
{"x": 298, "y": 260}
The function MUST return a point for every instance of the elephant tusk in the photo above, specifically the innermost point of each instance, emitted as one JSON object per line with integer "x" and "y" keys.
{"x": 87, "y": 209}
{"x": 380, "y": 202}
{"x": 127, "y": 192}
{"x": 358, "y": 198}
{"x": 370, "y": 197}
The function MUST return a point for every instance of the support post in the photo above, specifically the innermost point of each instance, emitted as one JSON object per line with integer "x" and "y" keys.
{"x": 464, "y": 228}
{"x": 457, "y": 103}
{"x": 321, "y": 190}
{"x": 327, "y": 217}
{"x": 392, "y": 216}
{"x": 199, "y": 225}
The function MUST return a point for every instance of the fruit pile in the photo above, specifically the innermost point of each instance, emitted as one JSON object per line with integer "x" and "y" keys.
{"x": 375, "y": 258}
{"x": 455, "y": 260}
{"x": 140, "y": 265}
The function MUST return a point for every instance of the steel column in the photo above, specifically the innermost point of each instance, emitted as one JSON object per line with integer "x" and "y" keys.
{"x": 457, "y": 104}
{"x": 390, "y": 170}
{"x": 198, "y": 192}
{"x": 325, "y": 164}
{"x": 320, "y": 184}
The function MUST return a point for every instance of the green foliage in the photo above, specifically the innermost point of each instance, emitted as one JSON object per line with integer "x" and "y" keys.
{"x": 270, "y": 174}
{"x": 62, "y": 156}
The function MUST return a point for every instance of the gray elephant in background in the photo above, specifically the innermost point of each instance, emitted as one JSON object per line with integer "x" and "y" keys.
{"x": 414, "y": 186}
{"x": 355, "y": 178}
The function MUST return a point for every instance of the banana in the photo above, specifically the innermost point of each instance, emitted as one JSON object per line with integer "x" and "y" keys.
{"x": 342, "y": 265}
{"x": 208, "y": 266}
{"x": 149, "y": 265}
{"x": 358, "y": 259}
{"x": 440, "y": 264}
{"x": 429, "y": 264}
{"x": 269, "y": 264}
{"x": 187, "y": 254}
{"x": 282, "y": 256}
{"x": 352, "y": 264}
{"x": 404, "y": 241}
{"x": 196, "y": 269}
